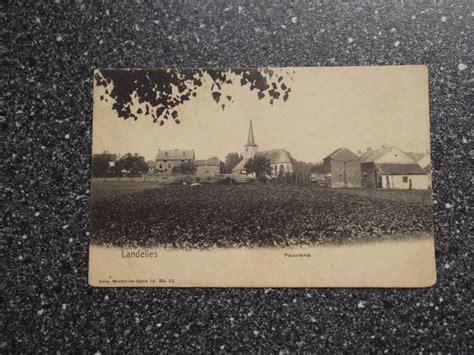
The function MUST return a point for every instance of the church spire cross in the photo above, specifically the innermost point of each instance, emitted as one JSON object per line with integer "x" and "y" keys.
{"x": 251, "y": 139}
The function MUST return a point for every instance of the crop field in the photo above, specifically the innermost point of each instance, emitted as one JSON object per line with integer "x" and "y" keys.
{"x": 249, "y": 216}
{"x": 107, "y": 190}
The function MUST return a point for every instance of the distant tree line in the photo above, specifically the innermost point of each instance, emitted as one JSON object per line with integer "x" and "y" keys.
{"x": 107, "y": 165}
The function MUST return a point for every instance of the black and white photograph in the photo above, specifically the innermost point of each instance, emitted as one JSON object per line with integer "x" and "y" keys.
{"x": 299, "y": 163}
{"x": 194, "y": 176}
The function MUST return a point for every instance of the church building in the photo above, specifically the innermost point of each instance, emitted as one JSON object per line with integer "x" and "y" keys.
{"x": 281, "y": 160}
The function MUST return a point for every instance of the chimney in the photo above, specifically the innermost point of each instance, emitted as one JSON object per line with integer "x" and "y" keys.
{"x": 369, "y": 149}
{"x": 359, "y": 152}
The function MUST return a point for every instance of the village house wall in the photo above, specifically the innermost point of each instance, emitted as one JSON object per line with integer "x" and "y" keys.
{"x": 345, "y": 174}
{"x": 204, "y": 171}
{"x": 277, "y": 168}
{"x": 372, "y": 178}
{"x": 344, "y": 169}
{"x": 369, "y": 175}
{"x": 168, "y": 165}
{"x": 418, "y": 182}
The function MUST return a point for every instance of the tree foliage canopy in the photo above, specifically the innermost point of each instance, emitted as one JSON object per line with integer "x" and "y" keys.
{"x": 258, "y": 165}
{"x": 186, "y": 168}
{"x": 133, "y": 163}
{"x": 100, "y": 164}
{"x": 231, "y": 161}
{"x": 159, "y": 92}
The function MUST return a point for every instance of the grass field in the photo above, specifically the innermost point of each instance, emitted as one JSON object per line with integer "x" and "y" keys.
{"x": 108, "y": 190}
{"x": 147, "y": 214}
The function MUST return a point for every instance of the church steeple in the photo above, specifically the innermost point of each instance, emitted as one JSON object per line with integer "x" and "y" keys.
{"x": 251, "y": 139}
{"x": 251, "y": 148}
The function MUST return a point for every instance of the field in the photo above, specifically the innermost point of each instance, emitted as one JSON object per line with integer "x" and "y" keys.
{"x": 109, "y": 190}
{"x": 135, "y": 214}
{"x": 408, "y": 196}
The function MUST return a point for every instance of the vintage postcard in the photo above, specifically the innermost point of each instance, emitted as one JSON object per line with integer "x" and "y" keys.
{"x": 261, "y": 177}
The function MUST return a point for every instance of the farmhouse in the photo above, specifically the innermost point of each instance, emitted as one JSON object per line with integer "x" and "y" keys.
{"x": 207, "y": 168}
{"x": 281, "y": 161}
{"x": 343, "y": 168}
{"x": 166, "y": 160}
{"x": 391, "y": 168}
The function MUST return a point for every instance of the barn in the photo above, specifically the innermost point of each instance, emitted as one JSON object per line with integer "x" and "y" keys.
{"x": 207, "y": 168}
{"x": 391, "y": 168}
{"x": 343, "y": 168}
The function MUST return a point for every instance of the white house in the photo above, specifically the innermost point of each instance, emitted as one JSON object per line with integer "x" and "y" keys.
{"x": 166, "y": 160}
{"x": 391, "y": 168}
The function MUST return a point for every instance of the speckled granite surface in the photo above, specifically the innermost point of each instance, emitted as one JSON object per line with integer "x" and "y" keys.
{"x": 49, "y": 54}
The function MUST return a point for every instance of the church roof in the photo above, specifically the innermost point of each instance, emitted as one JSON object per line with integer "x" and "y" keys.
{"x": 175, "y": 154}
{"x": 251, "y": 139}
{"x": 241, "y": 165}
{"x": 276, "y": 156}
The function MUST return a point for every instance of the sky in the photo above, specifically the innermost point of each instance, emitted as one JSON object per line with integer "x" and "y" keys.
{"x": 328, "y": 108}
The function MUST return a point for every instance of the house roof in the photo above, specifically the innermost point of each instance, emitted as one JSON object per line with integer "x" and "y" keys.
{"x": 175, "y": 154}
{"x": 400, "y": 169}
{"x": 416, "y": 156}
{"x": 342, "y": 154}
{"x": 372, "y": 155}
{"x": 427, "y": 168}
{"x": 207, "y": 162}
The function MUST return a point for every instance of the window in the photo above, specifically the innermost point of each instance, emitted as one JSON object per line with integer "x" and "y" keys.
{"x": 169, "y": 165}
{"x": 161, "y": 166}
{"x": 405, "y": 179}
